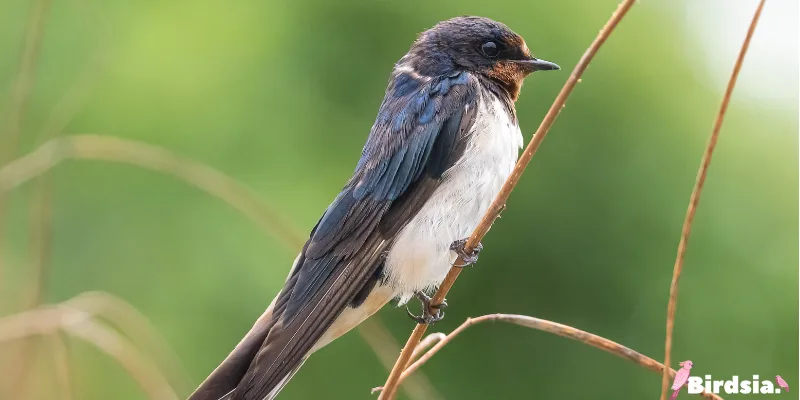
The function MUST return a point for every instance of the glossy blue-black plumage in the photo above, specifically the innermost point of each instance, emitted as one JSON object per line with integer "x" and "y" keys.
{"x": 417, "y": 131}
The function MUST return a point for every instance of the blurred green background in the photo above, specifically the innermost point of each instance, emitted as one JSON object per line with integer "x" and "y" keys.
{"x": 281, "y": 97}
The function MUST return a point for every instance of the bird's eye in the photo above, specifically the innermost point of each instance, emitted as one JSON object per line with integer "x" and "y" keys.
{"x": 490, "y": 49}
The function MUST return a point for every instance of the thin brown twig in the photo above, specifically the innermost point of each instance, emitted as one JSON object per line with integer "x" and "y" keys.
{"x": 424, "y": 344}
{"x": 555, "y": 328}
{"x": 385, "y": 348}
{"x": 695, "y": 198}
{"x": 390, "y": 388}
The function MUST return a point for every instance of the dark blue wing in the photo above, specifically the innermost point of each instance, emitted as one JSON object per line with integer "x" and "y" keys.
{"x": 419, "y": 133}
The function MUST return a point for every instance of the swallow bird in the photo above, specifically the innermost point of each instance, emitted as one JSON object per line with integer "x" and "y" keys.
{"x": 681, "y": 377}
{"x": 445, "y": 139}
{"x": 782, "y": 383}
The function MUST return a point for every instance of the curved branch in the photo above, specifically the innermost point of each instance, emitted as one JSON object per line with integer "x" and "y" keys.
{"x": 500, "y": 201}
{"x": 555, "y": 328}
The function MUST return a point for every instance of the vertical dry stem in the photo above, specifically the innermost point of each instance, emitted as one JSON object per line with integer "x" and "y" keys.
{"x": 15, "y": 120}
{"x": 61, "y": 365}
{"x": 695, "y": 199}
{"x": 19, "y": 100}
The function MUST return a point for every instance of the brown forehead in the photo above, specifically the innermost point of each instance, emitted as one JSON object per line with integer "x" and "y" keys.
{"x": 516, "y": 41}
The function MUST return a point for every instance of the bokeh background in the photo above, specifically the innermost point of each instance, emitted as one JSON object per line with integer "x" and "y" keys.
{"x": 281, "y": 96}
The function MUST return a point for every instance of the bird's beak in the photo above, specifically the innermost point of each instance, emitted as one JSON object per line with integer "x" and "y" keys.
{"x": 535, "y": 64}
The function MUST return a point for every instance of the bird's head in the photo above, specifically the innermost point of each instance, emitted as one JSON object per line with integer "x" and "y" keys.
{"x": 687, "y": 364}
{"x": 475, "y": 44}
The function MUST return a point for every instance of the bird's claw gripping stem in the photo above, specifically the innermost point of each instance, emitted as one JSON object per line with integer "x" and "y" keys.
{"x": 427, "y": 317}
{"x": 469, "y": 259}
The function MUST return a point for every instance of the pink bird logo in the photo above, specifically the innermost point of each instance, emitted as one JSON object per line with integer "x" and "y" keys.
{"x": 681, "y": 377}
{"x": 781, "y": 383}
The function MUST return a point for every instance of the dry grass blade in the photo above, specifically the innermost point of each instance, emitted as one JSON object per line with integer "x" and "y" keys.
{"x": 105, "y": 148}
{"x": 128, "y": 320}
{"x": 39, "y": 237}
{"x": 556, "y": 329}
{"x": 147, "y": 375}
{"x": 39, "y": 321}
{"x": 695, "y": 199}
{"x": 385, "y": 348}
{"x": 19, "y": 97}
{"x": 75, "y": 95}
{"x": 213, "y": 182}
{"x": 390, "y": 388}
{"x": 21, "y": 88}
{"x": 46, "y": 320}
{"x": 61, "y": 365}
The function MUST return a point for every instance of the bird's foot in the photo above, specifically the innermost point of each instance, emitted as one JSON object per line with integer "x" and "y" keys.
{"x": 469, "y": 259}
{"x": 427, "y": 317}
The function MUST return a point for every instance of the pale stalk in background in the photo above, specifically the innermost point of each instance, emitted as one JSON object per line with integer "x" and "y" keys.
{"x": 106, "y": 148}
{"x": 61, "y": 365}
{"x": 129, "y": 321}
{"x": 40, "y": 225}
{"x": 78, "y": 323}
{"x": 695, "y": 199}
{"x": 213, "y": 182}
{"x": 20, "y": 96}
{"x": 19, "y": 99}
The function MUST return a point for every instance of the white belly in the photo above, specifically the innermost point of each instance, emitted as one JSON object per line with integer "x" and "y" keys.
{"x": 421, "y": 255}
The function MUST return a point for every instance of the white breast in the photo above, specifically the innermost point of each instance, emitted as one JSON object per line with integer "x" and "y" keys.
{"x": 421, "y": 255}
